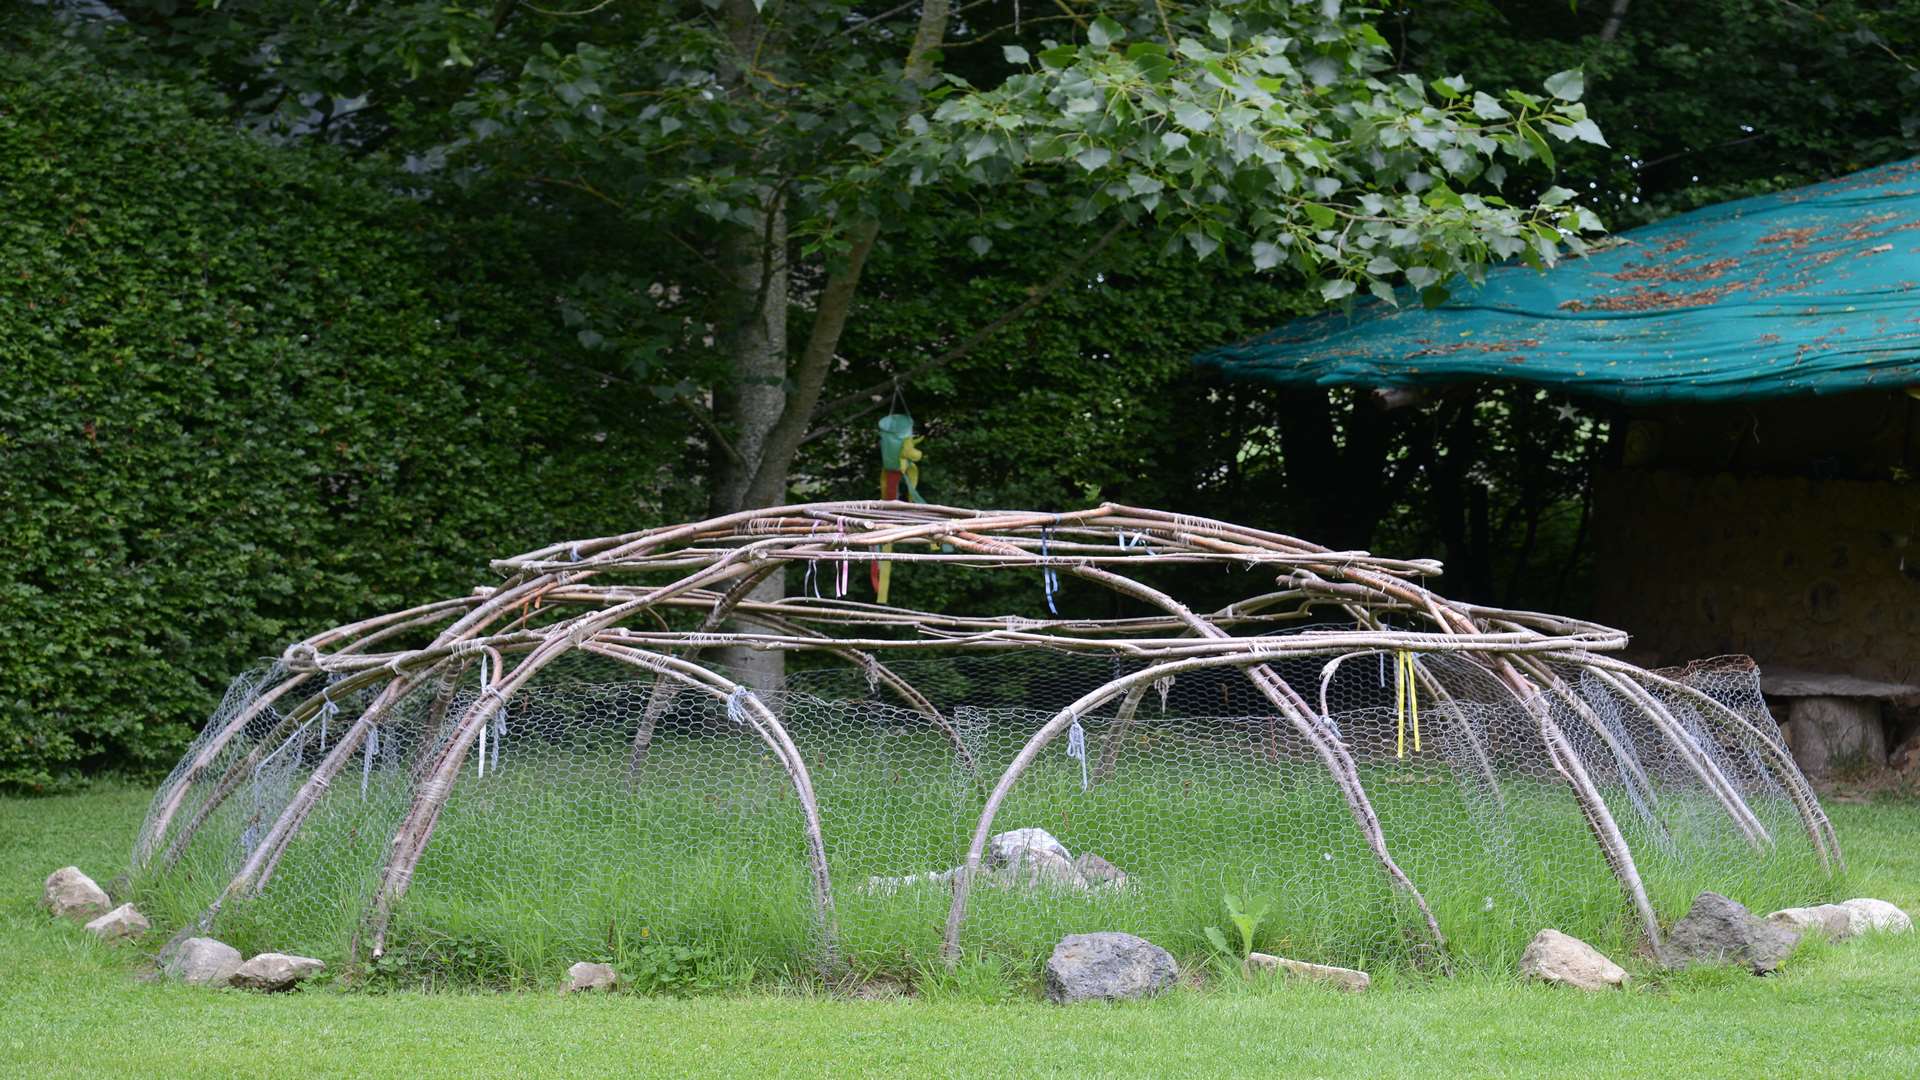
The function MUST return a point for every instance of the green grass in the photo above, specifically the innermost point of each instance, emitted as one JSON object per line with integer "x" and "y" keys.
{"x": 74, "y": 1007}
{"x": 552, "y": 859}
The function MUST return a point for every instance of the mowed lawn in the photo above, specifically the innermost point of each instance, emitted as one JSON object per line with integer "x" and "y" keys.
{"x": 70, "y": 1006}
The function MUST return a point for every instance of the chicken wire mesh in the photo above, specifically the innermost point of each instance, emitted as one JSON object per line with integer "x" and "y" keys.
{"x": 1393, "y": 797}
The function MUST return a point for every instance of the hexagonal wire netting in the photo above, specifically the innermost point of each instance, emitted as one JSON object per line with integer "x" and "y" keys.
{"x": 552, "y": 769}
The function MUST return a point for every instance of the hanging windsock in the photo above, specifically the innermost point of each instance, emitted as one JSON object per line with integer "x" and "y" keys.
{"x": 899, "y": 468}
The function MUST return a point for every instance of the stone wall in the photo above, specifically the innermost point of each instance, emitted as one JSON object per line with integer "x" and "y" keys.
{"x": 1821, "y": 575}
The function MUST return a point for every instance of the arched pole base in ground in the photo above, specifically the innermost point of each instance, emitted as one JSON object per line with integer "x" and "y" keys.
{"x": 432, "y": 793}
{"x": 1087, "y": 703}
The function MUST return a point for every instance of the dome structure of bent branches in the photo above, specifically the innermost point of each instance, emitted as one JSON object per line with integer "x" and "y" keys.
{"x": 552, "y": 768}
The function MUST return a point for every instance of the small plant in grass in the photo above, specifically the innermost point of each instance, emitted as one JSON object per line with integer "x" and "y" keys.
{"x": 438, "y": 962}
{"x": 1246, "y": 918}
{"x": 978, "y": 978}
{"x": 651, "y": 966}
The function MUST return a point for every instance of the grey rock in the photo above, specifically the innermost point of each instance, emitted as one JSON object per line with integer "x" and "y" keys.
{"x": 1029, "y": 857}
{"x": 586, "y": 977}
{"x": 70, "y": 894}
{"x": 1830, "y": 921}
{"x": 1564, "y": 960}
{"x": 1348, "y": 979}
{"x": 1833, "y": 734}
{"x": 1096, "y": 871}
{"x": 1038, "y": 868}
{"x": 272, "y": 971}
{"x": 1717, "y": 930}
{"x": 202, "y": 962}
{"x": 1865, "y": 913}
{"x": 1017, "y": 859}
{"x": 1009, "y": 848}
{"x": 1107, "y": 966}
{"x": 878, "y": 885}
{"x": 121, "y": 922}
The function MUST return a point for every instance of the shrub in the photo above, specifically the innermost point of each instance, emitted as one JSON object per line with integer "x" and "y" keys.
{"x": 246, "y": 392}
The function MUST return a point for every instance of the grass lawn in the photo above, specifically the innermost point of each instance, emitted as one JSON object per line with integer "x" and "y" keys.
{"x": 71, "y": 1006}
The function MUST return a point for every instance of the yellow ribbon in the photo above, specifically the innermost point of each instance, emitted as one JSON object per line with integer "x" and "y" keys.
{"x": 1406, "y": 699}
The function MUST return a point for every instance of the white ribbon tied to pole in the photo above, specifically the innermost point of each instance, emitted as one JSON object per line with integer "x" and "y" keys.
{"x": 368, "y": 751}
{"x": 737, "y": 705}
{"x": 328, "y": 710}
{"x": 1077, "y": 749}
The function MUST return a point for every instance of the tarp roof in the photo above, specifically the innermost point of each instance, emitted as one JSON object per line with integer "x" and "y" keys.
{"x": 1810, "y": 291}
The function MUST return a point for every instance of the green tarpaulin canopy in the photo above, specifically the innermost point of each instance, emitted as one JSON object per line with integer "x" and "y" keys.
{"x": 1810, "y": 291}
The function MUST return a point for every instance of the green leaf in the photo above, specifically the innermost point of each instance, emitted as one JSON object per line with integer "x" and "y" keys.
{"x": 1266, "y": 255}
{"x": 1588, "y": 131}
{"x": 1059, "y": 56}
{"x": 1322, "y": 217}
{"x": 1567, "y": 85}
{"x": 867, "y": 141}
{"x": 1203, "y": 245}
{"x": 1192, "y": 117}
{"x": 1486, "y": 108}
{"x": 980, "y": 244}
{"x": 1015, "y": 54}
{"x": 1093, "y": 157}
{"x": 1220, "y": 25}
{"x": 1218, "y": 939}
{"x": 1337, "y": 289}
{"x": 1539, "y": 145}
{"x": 1104, "y": 32}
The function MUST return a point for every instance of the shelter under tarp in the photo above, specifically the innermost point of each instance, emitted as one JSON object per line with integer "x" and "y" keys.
{"x": 1809, "y": 291}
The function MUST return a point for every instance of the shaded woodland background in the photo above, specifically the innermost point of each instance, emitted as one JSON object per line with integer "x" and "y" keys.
{"x": 266, "y": 365}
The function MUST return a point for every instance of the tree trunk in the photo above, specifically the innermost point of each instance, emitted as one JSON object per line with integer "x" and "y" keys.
{"x": 769, "y": 407}
{"x": 755, "y": 338}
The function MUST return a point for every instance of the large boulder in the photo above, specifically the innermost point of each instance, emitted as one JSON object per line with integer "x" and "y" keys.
{"x": 1558, "y": 958}
{"x": 1348, "y": 979}
{"x": 202, "y": 962}
{"x": 1107, "y": 966}
{"x": 1866, "y": 914}
{"x": 272, "y": 972}
{"x": 121, "y": 922}
{"x": 70, "y": 894}
{"x": 585, "y": 977}
{"x": 1007, "y": 848}
{"x": 1028, "y": 857}
{"x": 1830, "y": 921}
{"x": 1096, "y": 871}
{"x": 1019, "y": 859}
{"x": 1717, "y": 930}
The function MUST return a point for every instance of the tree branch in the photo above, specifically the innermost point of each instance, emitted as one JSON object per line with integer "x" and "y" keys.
{"x": 1035, "y": 296}
{"x": 705, "y": 419}
{"x": 1611, "y": 29}
{"x": 769, "y": 484}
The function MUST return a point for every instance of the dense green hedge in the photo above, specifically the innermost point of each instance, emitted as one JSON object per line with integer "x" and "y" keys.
{"x": 245, "y": 396}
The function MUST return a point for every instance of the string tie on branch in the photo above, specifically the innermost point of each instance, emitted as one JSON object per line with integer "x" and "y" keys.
{"x": 1077, "y": 749}
{"x": 1049, "y": 581}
